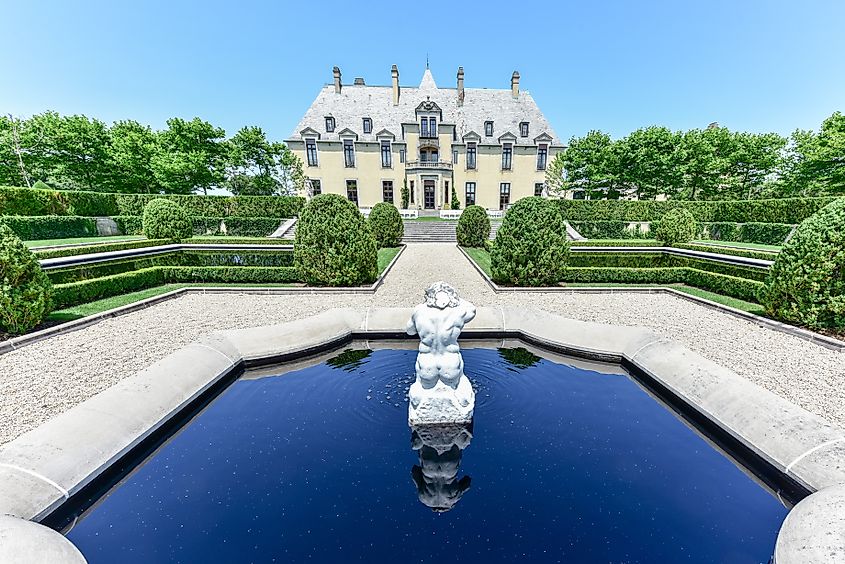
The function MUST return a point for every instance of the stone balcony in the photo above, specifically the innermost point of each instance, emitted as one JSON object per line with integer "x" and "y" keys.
{"x": 433, "y": 165}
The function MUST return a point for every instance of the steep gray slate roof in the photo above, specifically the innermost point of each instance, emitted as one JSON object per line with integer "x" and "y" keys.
{"x": 356, "y": 102}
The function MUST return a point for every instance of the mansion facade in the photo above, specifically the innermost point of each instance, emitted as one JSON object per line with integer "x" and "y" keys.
{"x": 492, "y": 146}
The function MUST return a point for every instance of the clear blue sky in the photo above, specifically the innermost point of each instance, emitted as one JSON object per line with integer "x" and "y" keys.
{"x": 751, "y": 65}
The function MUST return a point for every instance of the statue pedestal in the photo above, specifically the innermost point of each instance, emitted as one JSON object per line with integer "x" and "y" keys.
{"x": 441, "y": 404}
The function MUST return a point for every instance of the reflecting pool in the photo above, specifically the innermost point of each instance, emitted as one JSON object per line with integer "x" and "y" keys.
{"x": 564, "y": 462}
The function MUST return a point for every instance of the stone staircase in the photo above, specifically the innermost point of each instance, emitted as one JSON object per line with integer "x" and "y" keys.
{"x": 437, "y": 231}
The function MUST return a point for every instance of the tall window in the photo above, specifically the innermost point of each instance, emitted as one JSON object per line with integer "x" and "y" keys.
{"x": 329, "y": 124}
{"x": 538, "y": 188}
{"x": 523, "y": 129}
{"x": 349, "y": 153}
{"x": 470, "y": 155}
{"x": 504, "y": 195}
{"x": 368, "y": 125}
{"x": 542, "y": 156}
{"x": 507, "y": 156}
{"x": 386, "y": 161}
{"x": 311, "y": 151}
{"x": 488, "y": 128}
{"x": 470, "y": 193}
{"x": 454, "y": 156}
{"x": 401, "y": 155}
{"x": 352, "y": 191}
{"x": 387, "y": 191}
{"x": 316, "y": 189}
{"x": 424, "y": 127}
{"x": 446, "y": 199}
{"x": 432, "y": 127}
{"x": 412, "y": 191}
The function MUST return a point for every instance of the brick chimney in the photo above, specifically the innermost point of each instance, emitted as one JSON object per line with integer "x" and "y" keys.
{"x": 515, "y": 84}
{"x": 460, "y": 86}
{"x": 337, "y": 85}
{"x": 394, "y": 76}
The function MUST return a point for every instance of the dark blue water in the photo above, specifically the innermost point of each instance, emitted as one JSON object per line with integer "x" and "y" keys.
{"x": 564, "y": 465}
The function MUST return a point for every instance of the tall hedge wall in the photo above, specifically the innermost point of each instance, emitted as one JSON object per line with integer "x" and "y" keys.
{"x": 28, "y": 201}
{"x": 788, "y": 210}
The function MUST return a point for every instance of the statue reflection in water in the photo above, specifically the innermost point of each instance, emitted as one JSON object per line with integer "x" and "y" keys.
{"x": 440, "y": 449}
{"x": 441, "y": 399}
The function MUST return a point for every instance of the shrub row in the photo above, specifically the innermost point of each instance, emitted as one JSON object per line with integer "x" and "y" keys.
{"x": 733, "y": 286}
{"x": 98, "y": 248}
{"x": 662, "y": 260}
{"x": 617, "y": 243}
{"x": 238, "y": 259}
{"x": 763, "y": 233}
{"x": 749, "y": 253}
{"x": 85, "y": 291}
{"x": 787, "y": 210}
{"x": 28, "y": 201}
{"x": 210, "y": 226}
{"x": 50, "y": 226}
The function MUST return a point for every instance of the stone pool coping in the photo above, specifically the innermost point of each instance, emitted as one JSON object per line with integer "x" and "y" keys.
{"x": 44, "y": 468}
{"x": 817, "y": 338}
{"x": 77, "y": 324}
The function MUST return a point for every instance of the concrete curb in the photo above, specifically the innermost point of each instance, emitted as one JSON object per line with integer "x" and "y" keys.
{"x": 77, "y": 324}
{"x": 55, "y": 463}
{"x": 806, "y": 334}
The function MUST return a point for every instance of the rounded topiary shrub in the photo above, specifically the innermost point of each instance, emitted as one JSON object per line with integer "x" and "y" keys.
{"x": 806, "y": 284}
{"x": 386, "y": 225}
{"x": 165, "y": 219}
{"x": 333, "y": 244}
{"x": 25, "y": 291}
{"x": 473, "y": 227}
{"x": 531, "y": 248}
{"x": 676, "y": 226}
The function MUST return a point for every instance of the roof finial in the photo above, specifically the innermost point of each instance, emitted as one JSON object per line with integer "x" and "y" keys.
{"x": 426, "y": 60}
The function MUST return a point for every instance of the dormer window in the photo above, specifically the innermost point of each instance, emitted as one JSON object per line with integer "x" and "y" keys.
{"x": 368, "y": 125}
{"x": 428, "y": 127}
{"x": 488, "y": 129}
{"x": 424, "y": 127}
{"x": 311, "y": 151}
{"x": 329, "y": 124}
{"x": 542, "y": 156}
{"x": 523, "y": 129}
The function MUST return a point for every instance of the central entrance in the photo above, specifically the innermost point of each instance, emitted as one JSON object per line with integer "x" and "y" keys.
{"x": 428, "y": 194}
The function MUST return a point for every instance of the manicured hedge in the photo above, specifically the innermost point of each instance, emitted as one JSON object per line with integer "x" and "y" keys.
{"x": 30, "y": 228}
{"x": 788, "y": 210}
{"x": 735, "y": 287}
{"x": 762, "y": 233}
{"x": 85, "y": 291}
{"x": 28, "y": 201}
{"x": 617, "y": 243}
{"x": 74, "y": 293}
{"x": 240, "y": 259}
{"x": 749, "y": 253}
{"x": 662, "y": 260}
{"x": 210, "y": 226}
{"x": 98, "y": 248}
{"x": 612, "y": 229}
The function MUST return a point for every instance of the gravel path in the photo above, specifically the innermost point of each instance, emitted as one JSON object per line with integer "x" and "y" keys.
{"x": 46, "y": 378}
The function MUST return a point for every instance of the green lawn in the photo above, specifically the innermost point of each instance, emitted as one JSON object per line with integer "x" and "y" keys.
{"x": 385, "y": 256}
{"x": 756, "y": 246}
{"x": 78, "y": 240}
{"x": 481, "y": 258}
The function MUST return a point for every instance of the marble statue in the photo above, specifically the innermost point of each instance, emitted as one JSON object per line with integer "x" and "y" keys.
{"x": 441, "y": 394}
{"x": 440, "y": 450}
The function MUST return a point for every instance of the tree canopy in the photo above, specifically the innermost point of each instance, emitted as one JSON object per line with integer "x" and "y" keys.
{"x": 79, "y": 153}
{"x": 714, "y": 163}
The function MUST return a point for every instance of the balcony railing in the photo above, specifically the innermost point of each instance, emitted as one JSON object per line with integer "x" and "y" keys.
{"x": 429, "y": 164}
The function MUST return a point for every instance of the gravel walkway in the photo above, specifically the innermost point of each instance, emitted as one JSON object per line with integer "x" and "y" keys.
{"x": 46, "y": 378}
